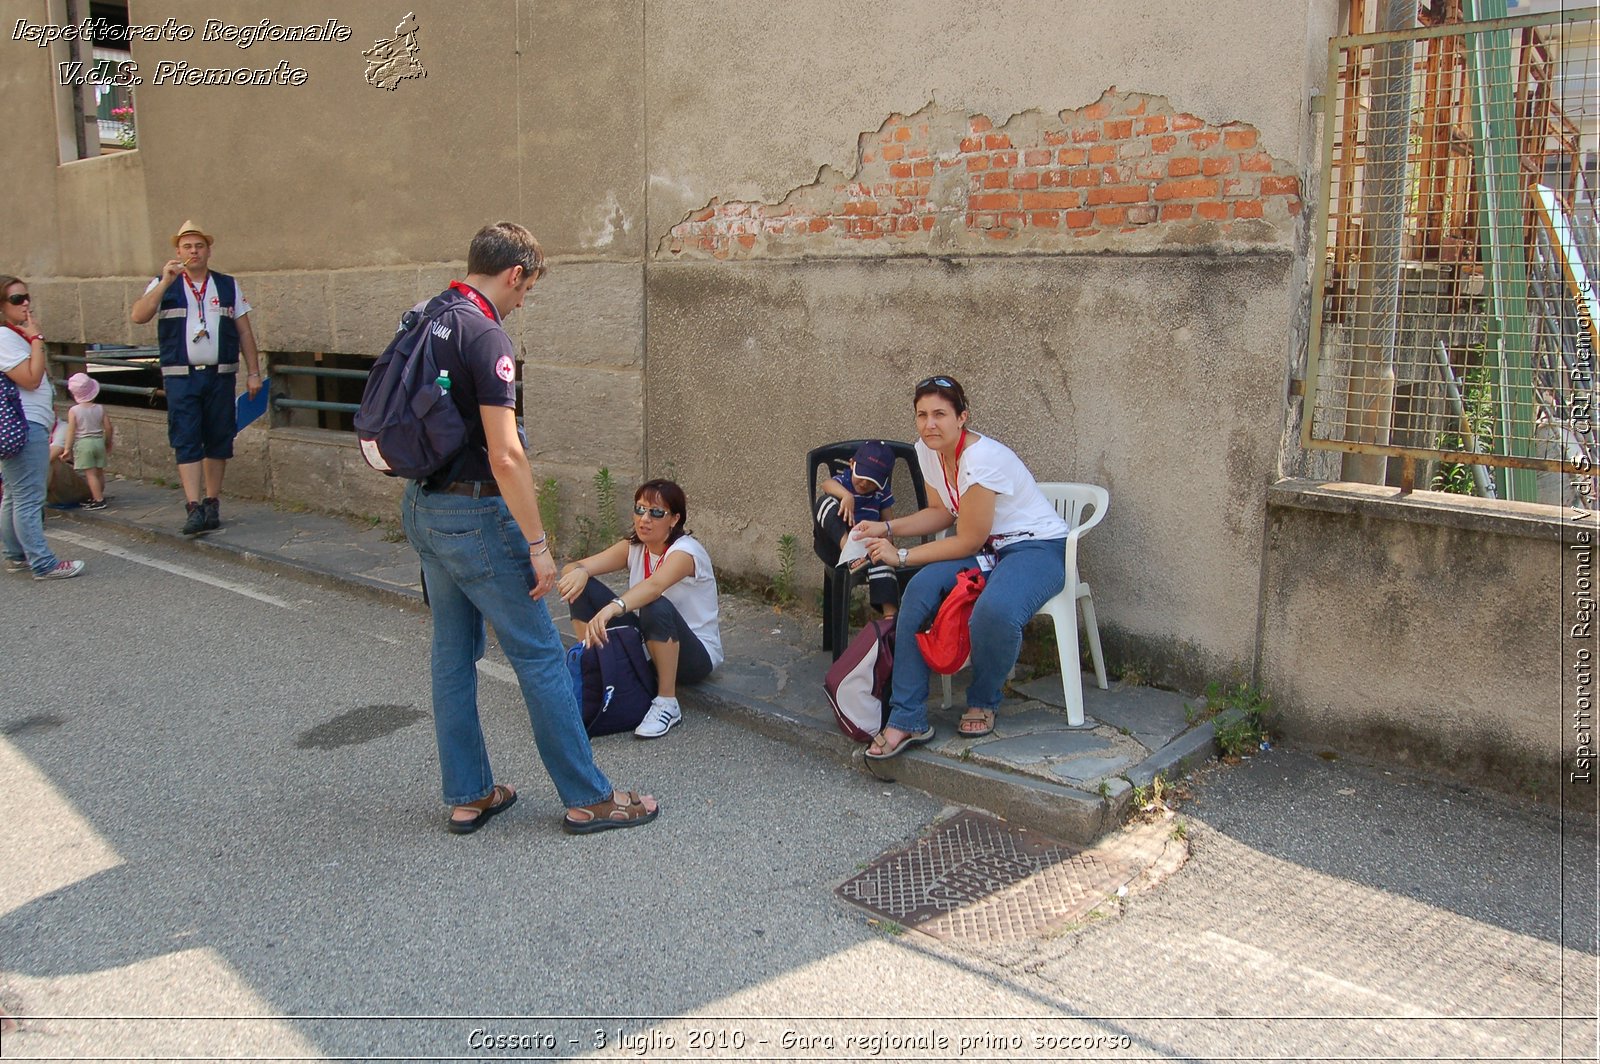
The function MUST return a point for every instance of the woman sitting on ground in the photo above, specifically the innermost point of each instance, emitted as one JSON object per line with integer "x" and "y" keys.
{"x": 1000, "y": 516}
{"x": 671, "y": 598}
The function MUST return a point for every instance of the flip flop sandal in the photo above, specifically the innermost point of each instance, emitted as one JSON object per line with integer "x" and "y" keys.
{"x": 984, "y": 717}
{"x": 913, "y": 739}
{"x": 485, "y": 813}
{"x": 603, "y": 816}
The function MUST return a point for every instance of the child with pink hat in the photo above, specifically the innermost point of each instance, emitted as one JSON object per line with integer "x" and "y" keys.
{"x": 89, "y": 436}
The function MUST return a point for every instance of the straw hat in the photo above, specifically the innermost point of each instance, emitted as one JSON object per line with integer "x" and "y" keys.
{"x": 189, "y": 227}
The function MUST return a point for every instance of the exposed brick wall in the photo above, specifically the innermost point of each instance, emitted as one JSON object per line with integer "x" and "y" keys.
{"x": 1126, "y": 171}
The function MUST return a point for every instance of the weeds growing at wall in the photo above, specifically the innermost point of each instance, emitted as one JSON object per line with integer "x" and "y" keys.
{"x": 783, "y": 586}
{"x": 599, "y": 532}
{"x": 550, "y": 508}
{"x": 1239, "y": 717}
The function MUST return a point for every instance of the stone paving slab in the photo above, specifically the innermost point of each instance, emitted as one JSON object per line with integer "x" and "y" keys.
{"x": 1034, "y": 769}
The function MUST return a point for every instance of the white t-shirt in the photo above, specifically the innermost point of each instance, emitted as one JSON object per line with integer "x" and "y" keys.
{"x": 203, "y": 352}
{"x": 694, "y": 596}
{"x": 1019, "y": 507}
{"x": 38, "y": 404}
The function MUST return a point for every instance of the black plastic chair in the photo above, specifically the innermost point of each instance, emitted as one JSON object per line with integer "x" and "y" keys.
{"x": 830, "y": 460}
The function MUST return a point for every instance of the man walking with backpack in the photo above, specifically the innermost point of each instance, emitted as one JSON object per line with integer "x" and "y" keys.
{"x": 485, "y": 557}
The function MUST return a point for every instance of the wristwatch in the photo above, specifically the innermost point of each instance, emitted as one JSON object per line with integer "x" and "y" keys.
{"x": 902, "y": 556}
{"x": 619, "y": 604}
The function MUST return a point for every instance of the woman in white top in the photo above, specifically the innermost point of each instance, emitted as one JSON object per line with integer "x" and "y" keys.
{"x": 27, "y": 473}
{"x": 1002, "y": 521}
{"x": 671, "y": 598}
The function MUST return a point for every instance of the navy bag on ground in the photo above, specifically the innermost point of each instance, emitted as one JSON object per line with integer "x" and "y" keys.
{"x": 615, "y": 683}
{"x": 408, "y": 425}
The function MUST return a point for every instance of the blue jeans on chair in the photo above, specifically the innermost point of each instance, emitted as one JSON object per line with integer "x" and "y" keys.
{"x": 27, "y": 479}
{"x": 1027, "y": 574}
{"x": 475, "y": 565}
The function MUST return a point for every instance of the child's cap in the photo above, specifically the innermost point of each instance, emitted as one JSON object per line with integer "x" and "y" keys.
{"x": 874, "y": 461}
{"x": 83, "y": 387}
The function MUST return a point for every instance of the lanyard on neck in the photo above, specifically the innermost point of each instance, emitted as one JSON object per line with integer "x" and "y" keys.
{"x": 955, "y": 499}
{"x": 476, "y": 299}
{"x": 201, "y": 332}
{"x": 648, "y": 567}
{"x": 16, "y": 329}
{"x": 199, "y": 293}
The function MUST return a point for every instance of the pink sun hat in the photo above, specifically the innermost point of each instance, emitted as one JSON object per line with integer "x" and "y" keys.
{"x": 83, "y": 387}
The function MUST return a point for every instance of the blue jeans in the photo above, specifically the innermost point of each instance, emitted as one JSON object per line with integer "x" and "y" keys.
{"x": 1028, "y": 573}
{"x": 27, "y": 478}
{"x": 475, "y": 565}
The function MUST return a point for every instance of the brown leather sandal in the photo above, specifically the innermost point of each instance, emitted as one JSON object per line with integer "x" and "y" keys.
{"x": 976, "y": 723}
{"x": 495, "y": 802}
{"x": 603, "y": 816}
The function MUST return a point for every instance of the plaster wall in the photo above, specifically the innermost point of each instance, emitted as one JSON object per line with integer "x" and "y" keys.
{"x": 1159, "y": 378}
{"x": 793, "y": 85}
{"x": 1426, "y": 630}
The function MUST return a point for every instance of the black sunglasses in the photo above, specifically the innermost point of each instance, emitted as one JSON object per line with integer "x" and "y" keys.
{"x": 931, "y": 382}
{"x": 19, "y": 299}
{"x": 655, "y": 512}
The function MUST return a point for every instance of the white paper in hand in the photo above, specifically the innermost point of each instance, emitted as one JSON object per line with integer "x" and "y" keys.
{"x": 853, "y": 549}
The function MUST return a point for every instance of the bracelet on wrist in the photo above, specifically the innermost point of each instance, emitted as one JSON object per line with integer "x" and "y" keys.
{"x": 886, "y": 531}
{"x": 536, "y": 552}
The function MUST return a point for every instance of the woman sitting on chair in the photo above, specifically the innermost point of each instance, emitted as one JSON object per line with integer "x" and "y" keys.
{"x": 671, "y": 598}
{"x": 1002, "y": 523}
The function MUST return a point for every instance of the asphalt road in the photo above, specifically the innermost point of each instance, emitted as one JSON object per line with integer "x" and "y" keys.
{"x": 220, "y": 834}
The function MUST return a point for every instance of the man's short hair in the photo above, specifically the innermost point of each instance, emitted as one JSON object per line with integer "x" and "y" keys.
{"x": 500, "y": 246}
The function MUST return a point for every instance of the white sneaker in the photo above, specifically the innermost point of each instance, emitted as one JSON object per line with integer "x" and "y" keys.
{"x": 661, "y": 716}
{"x": 62, "y": 571}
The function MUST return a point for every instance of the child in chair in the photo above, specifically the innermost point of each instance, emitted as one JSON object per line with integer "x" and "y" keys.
{"x": 860, "y": 493}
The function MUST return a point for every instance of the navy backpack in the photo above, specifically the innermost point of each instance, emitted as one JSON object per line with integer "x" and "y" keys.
{"x": 615, "y": 683}
{"x": 408, "y": 426}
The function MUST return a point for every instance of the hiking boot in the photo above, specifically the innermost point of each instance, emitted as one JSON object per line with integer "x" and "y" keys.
{"x": 62, "y": 571}
{"x": 212, "y": 508}
{"x": 196, "y": 522}
{"x": 659, "y": 718}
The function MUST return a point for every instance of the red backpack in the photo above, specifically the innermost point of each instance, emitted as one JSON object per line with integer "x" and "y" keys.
{"x": 947, "y": 643}
{"x": 857, "y": 684}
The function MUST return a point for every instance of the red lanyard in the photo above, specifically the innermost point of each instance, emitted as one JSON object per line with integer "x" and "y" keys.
{"x": 648, "y": 568}
{"x": 955, "y": 499}
{"x": 477, "y": 300}
{"x": 199, "y": 295}
{"x": 17, "y": 329}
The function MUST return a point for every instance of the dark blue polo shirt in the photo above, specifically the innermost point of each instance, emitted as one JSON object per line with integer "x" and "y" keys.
{"x": 475, "y": 350}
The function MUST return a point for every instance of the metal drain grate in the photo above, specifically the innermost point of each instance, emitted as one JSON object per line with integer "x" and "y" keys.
{"x": 977, "y": 879}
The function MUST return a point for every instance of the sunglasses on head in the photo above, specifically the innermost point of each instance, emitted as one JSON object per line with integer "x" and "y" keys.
{"x": 656, "y": 513}
{"x": 19, "y": 299}
{"x": 932, "y": 382}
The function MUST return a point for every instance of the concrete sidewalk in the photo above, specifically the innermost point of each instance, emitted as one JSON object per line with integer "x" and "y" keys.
{"x": 1074, "y": 784}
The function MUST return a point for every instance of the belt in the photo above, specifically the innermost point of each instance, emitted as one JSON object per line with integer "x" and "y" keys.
{"x": 474, "y": 489}
{"x": 184, "y": 371}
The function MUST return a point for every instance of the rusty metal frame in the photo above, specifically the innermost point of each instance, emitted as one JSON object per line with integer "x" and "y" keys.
{"x": 1448, "y": 197}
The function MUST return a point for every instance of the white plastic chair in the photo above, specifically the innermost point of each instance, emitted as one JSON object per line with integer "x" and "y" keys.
{"x": 1070, "y": 501}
